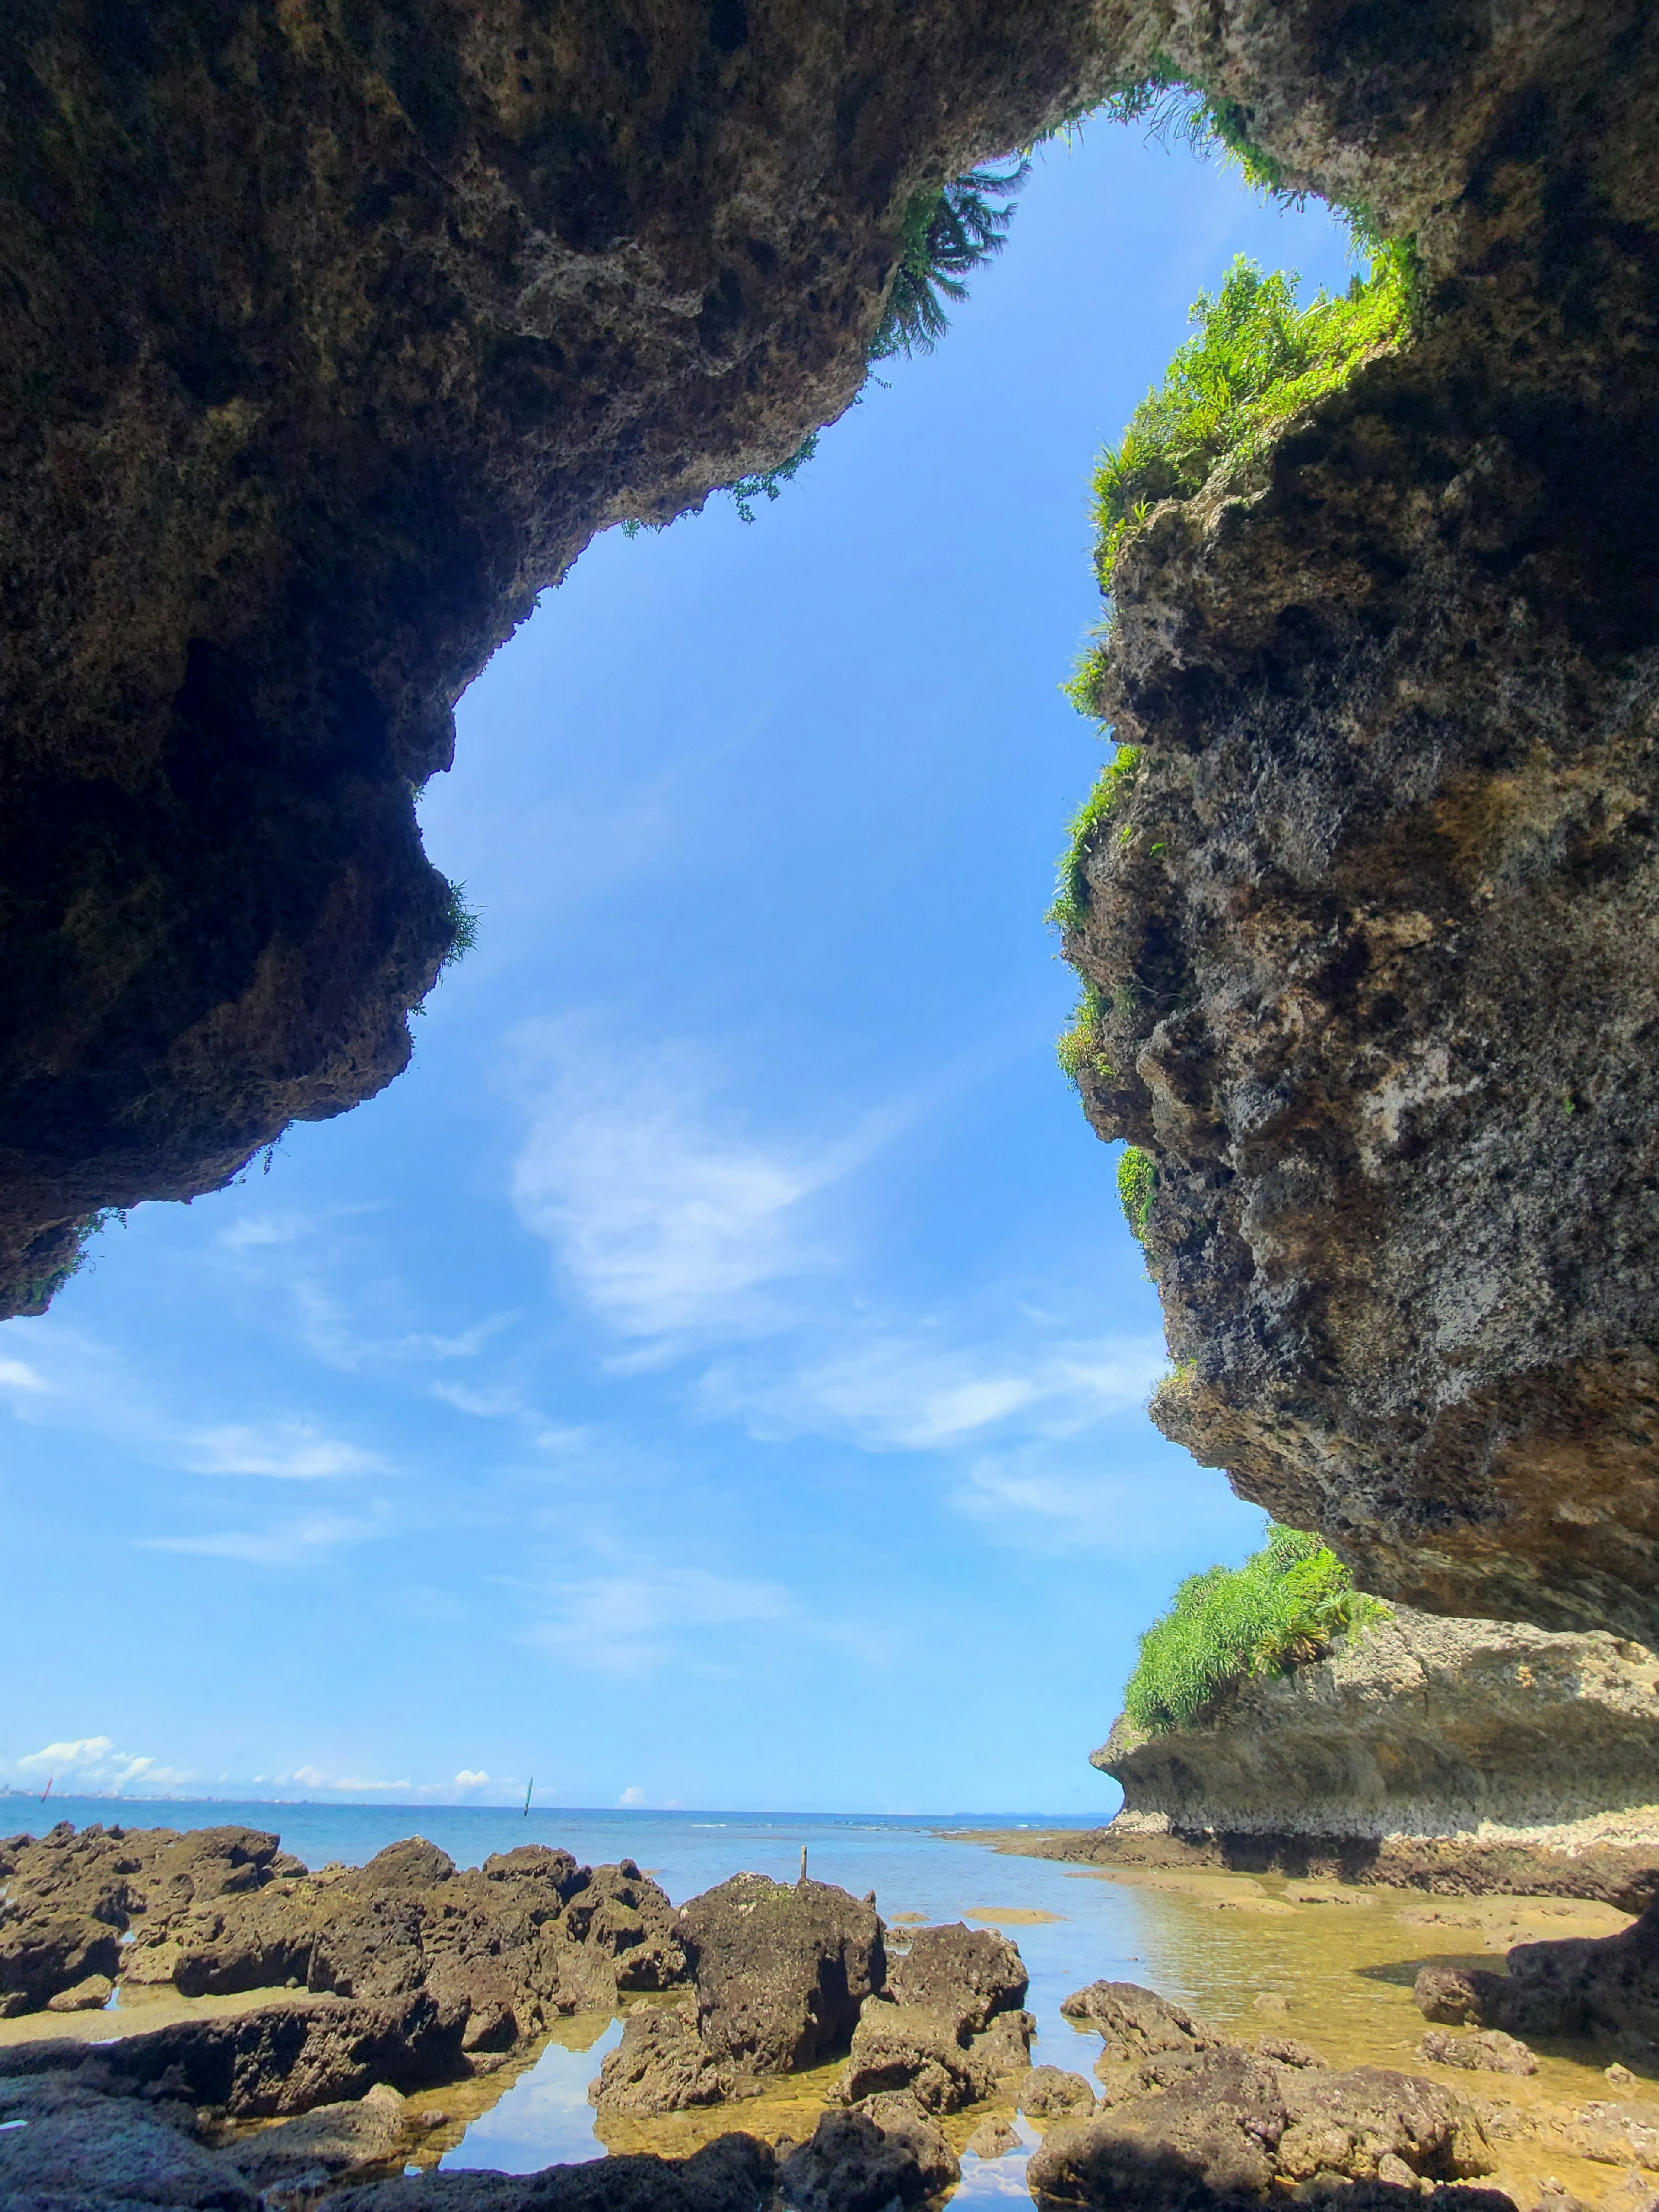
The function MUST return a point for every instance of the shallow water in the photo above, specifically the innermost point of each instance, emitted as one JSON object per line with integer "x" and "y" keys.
{"x": 1343, "y": 1960}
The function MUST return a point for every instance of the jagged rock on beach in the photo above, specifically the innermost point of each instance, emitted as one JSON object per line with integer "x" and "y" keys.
{"x": 1046, "y": 2090}
{"x": 1134, "y": 2022}
{"x": 885, "y": 2149}
{"x": 733, "y": 2173}
{"x": 971, "y": 1973}
{"x": 781, "y": 1969}
{"x": 661, "y": 2065}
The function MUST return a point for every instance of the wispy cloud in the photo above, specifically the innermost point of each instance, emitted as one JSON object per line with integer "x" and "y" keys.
{"x": 901, "y": 1390}
{"x": 668, "y": 1217}
{"x": 632, "y": 1623}
{"x": 292, "y": 1451}
{"x": 295, "y": 1543}
{"x": 18, "y": 1375}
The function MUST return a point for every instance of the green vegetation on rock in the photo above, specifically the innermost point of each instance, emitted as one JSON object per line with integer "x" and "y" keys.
{"x": 1255, "y": 359}
{"x": 948, "y": 232}
{"x": 1083, "y": 833}
{"x": 1288, "y": 1603}
{"x": 1137, "y": 1182}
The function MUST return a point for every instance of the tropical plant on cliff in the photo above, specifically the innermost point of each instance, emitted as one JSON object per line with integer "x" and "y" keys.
{"x": 948, "y": 232}
{"x": 1255, "y": 359}
{"x": 1288, "y": 1603}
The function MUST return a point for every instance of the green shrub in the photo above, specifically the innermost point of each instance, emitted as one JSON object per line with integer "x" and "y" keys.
{"x": 1136, "y": 1182}
{"x": 1287, "y": 1604}
{"x": 1071, "y": 900}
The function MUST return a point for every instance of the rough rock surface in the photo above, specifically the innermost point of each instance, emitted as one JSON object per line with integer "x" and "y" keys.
{"x": 781, "y": 1969}
{"x": 971, "y": 1973}
{"x": 1134, "y": 2022}
{"x": 334, "y": 336}
{"x": 1046, "y": 2090}
{"x": 502, "y": 1948}
{"x": 1220, "y": 2123}
{"x": 1373, "y": 934}
{"x": 930, "y": 2052}
{"x": 661, "y": 2065}
{"x": 885, "y": 2149}
{"x": 1489, "y": 2053}
{"x": 1506, "y": 1747}
{"x": 1581, "y": 1986}
{"x": 80, "y": 2150}
{"x": 733, "y": 2173}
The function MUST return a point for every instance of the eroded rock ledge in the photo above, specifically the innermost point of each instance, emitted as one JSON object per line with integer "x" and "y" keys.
{"x": 1452, "y": 1754}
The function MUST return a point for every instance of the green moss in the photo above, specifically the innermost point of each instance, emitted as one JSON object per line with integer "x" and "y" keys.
{"x": 1287, "y": 1604}
{"x": 1071, "y": 899}
{"x": 1136, "y": 1184}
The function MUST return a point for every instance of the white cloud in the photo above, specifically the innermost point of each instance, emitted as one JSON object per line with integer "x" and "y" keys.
{"x": 286, "y": 1544}
{"x": 901, "y": 1391}
{"x": 667, "y": 1216}
{"x": 470, "y": 1777}
{"x": 92, "y": 1763}
{"x": 498, "y": 1402}
{"x": 293, "y": 1451}
{"x": 18, "y": 1375}
{"x": 632, "y": 1795}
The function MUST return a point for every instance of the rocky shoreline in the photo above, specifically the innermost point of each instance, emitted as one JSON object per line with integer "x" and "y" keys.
{"x": 1462, "y": 1757}
{"x": 419, "y": 1976}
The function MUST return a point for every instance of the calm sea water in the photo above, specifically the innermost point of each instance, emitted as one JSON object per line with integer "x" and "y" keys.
{"x": 1101, "y": 1927}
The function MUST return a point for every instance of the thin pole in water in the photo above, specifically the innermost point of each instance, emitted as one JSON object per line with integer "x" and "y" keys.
{"x": 526, "y": 1797}
{"x": 803, "y": 1862}
{"x": 46, "y": 1792}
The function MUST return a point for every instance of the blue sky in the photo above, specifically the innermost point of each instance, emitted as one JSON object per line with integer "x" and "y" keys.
{"x": 715, "y": 1373}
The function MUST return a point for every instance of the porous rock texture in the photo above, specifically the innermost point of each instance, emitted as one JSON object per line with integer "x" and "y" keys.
{"x": 1373, "y": 934}
{"x": 1191, "y": 2119}
{"x": 781, "y": 1969}
{"x": 1538, "y": 1751}
{"x": 493, "y": 1952}
{"x": 334, "y": 331}
{"x": 1580, "y": 1986}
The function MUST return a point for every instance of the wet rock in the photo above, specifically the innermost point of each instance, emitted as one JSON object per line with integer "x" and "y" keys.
{"x": 1616, "y": 2134}
{"x": 733, "y": 2173}
{"x": 330, "y": 2139}
{"x": 1003, "y": 2052}
{"x": 1046, "y": 2090}
{"x": 89, "y": 1996}
{"x": 1635, "y": 2193}
{"x": 1225, "y": 2124}
{"x": 1491, "y": 2051}
{"x": 1134, "y": 2022}
{"x": 885, "y": 2149}
{"x": 908, "y": 2047}
{"x": 1581, "y": 1986}
{"x": 661, "y": 2065}
{"x": 780, "y": 1970}
{"x": 43, "y": 1954}
{"x": 971, "y": 1973}
{"x": 991, "y": 2139}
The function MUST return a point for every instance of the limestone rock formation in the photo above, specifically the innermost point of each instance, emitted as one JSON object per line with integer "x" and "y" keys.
{"x": 781, "y": 1969}
{"x": 972, "y": 1974}
{"x": 501, "y": 1948}
{"x": 1524, "y": 1757}
{"x": 1199, "y": 2119}
{"x": 884, "y": 2150}
{"x": 333, "y": 338}
{"x": 1373, "y": 935}
{"x": 1602, "y": 1985}
{"x": 661, "y": 2065}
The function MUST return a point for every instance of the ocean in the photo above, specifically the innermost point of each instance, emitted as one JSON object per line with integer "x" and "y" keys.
{"x": 1100, "y": 1928}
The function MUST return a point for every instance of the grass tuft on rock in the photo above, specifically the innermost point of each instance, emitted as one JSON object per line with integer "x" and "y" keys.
{"x": 1289, "y": 1603}
{"x": 1071, "y": 899}
{"x": 1255, "y": 359}
{"x": 1136, "y": 1184}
